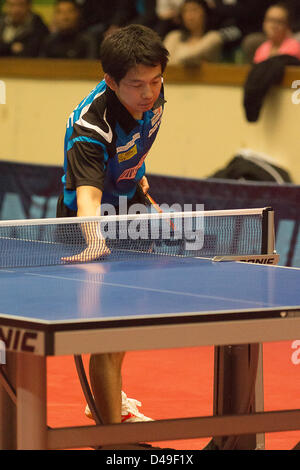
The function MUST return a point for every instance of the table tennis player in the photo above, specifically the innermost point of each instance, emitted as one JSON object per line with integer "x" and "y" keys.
{"x": 107, "y": 139}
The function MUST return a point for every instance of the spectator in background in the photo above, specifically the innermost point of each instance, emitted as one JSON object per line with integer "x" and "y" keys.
{"x": 97, "y": 16}
{"x": 21, "y": 30}
{"x": 67, "y": 41}
{"x": 96, "y": 12}
{"x": 235, "y": 19}
{"x": 135, "y": 12}
{"x": 126, "y": 12}
{"x": 251, "y": 42}
{"x": 168, "y": 14}
{"x": 192, "y": 44}
{"x": 277, "y": 28}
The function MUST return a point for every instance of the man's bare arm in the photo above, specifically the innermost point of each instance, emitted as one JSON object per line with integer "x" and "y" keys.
{"x": 89, "y": 204}
{"x": 88, "y": 201}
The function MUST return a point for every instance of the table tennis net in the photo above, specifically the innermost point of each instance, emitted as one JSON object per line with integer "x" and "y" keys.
{"x": 44, "y": 242}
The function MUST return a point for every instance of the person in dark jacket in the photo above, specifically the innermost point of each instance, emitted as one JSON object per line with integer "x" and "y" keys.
{"x": 134, "y": 12}
{"x": 67, "y": 41}
{"x": 119, "y": 14}
{"x": 261, "y": 78}
{"x": 21, "y": 31}
{"x": 97, "y": 12}
{"x": 236, "y": 19}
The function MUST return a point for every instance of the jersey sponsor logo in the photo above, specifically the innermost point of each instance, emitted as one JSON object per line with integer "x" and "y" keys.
{"x": 19, "y": 340}
{"x": 124, "y": 156}
{"x": 129, "y": 144}
{"x": 130, "y": 173}
{"x": 157, "y": 115}
{"x": 156, "y": 120}
{"x": 154, "y": 128}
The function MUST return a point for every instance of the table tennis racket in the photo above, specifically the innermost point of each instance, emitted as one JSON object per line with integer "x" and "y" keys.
{"x": 158, "y": 208}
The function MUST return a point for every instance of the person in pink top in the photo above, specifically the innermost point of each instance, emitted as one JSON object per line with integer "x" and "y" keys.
{"x": 277, "y": 28}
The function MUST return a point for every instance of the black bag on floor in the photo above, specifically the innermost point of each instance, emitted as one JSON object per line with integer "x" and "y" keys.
{"x": 253, "y": 168}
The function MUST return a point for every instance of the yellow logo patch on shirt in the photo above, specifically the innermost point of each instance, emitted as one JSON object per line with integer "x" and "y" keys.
{"x": 122, "y": 157}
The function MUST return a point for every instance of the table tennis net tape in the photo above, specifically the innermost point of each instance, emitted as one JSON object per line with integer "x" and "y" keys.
{"x": 45, "y": 242}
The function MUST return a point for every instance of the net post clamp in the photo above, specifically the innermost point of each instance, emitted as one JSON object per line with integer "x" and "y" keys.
{"x": 269, "y": 259}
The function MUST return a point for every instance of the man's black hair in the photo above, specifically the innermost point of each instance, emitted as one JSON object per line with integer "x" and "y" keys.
{"x": 130, "y": 46}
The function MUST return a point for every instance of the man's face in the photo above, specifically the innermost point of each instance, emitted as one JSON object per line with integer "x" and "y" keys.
{"x": 17, "y": 10}
{"x": 66, "y": 16}
{"x": 139, "y": 89}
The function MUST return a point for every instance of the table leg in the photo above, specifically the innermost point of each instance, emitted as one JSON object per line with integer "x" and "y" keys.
{"x": 235, "y": 389}
{"x": 259, "y": 396}
{"x": 7, "y": 404}
{"x": 31, "y": 402}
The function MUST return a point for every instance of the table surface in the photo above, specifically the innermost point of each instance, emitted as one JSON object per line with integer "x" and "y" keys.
{"x": 82, "y": 302}
{"x": 139, "y": 289}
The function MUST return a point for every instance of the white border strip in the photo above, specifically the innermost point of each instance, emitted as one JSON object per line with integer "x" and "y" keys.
{"x": 289, "y": 309}
{"x": 147, "y": 216}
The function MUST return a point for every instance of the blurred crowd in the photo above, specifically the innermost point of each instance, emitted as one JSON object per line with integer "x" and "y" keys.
{"x": 238, "y": 31}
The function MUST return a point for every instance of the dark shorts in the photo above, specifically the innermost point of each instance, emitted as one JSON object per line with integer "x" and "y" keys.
{"x": 62, "y": 210}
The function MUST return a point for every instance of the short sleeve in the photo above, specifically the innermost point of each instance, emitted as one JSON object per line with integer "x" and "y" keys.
{"x": 86, "y": 164}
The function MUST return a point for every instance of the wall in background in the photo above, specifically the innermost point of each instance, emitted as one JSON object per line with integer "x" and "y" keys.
{"x": 203, "y": 127}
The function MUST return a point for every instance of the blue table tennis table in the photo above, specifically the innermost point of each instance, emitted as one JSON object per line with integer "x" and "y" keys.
{"x": 110, "y": 306}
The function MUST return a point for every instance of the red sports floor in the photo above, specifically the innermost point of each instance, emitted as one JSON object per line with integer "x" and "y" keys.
{"x": 178, "y": 383}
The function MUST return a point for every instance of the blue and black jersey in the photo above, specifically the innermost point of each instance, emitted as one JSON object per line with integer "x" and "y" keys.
{"x": 106, "y": 147}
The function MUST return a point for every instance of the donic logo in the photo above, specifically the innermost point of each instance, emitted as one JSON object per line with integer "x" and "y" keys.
{"x": 260, "y": 260}
{"x": 18, "y": 340}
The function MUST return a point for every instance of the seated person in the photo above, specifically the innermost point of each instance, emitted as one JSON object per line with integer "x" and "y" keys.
{"x": 251, "y": 42}
{"x": 66, "y": 40}
{"x": 96, "y": 12}
{"x": 142, "y": 12}
{"x": 134, "y": 12}
{"x": 21, "y": 30}
{"x": 235, "y": 19}
{"x": 192, "y": 44}
{"x": 168, "y": 16}
{"x": 278, "y": 31}
{"x": 97, "y": 17}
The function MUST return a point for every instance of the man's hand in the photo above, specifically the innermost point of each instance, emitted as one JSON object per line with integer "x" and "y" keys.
{"x": 96, "y": 249}
{"x": 88, "y": 202}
